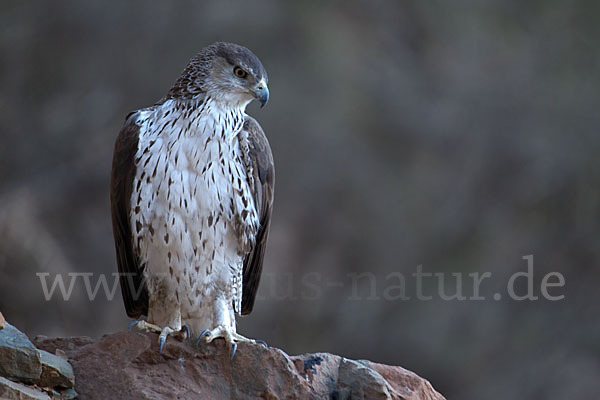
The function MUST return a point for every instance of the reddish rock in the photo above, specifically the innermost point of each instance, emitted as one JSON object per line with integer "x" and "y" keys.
{"x": 128, "y": 365}
{"x": 51, "y": 345}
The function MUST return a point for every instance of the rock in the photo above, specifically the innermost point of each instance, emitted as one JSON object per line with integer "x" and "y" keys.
{"x": 2, "y": 321}
{"x": 61, "y": 344}
{"x": 56, "y": 372}
{"x": 68, "y": 394}
{"x": 10, "y": 390}
{"x": 128, "y": 365}
{"x": 60, "y": 353}
{"x": 362, "y": 379}
{"x": 20, "y": 360}
{"x": 404, "y": 382}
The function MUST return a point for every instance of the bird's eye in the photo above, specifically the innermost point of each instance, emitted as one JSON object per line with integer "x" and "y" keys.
{"x": 240, "y": 73}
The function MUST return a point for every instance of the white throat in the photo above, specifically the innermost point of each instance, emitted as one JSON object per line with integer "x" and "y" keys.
{"x": 200, "y": 116}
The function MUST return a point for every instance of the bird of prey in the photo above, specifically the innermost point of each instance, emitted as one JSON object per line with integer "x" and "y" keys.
{"x": 191, "y": 197}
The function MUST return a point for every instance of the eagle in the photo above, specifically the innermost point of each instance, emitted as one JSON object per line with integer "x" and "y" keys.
{"x": 191, "y": 196}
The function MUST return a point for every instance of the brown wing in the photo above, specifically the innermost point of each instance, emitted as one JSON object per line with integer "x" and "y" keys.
{"x": 133, "y": 287}
{"x": 264, "y": 179}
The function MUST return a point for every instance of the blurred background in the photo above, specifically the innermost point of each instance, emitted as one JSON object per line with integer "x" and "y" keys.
{"x": 460, "y": 136}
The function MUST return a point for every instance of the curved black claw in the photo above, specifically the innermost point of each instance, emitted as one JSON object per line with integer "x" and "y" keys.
{"x": 204, "y": 333}
{"x": 187, "y": 330}
{"x": 234, "y": 348}
{"x": 262, "y": 342}
{"x": 162, "y": 343}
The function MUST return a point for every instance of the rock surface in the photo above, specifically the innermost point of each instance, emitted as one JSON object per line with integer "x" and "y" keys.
{"x": 2, "y": 321}
{"x": 21, "y": 364}
{"x": 56, "y": 372}
{"x": 20, "y": 359}
{"x": 10, "y": 390}
{"x": 128, "y": 365}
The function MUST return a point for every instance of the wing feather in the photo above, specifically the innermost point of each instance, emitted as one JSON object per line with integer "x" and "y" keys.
{"x": 133, "y": 287}
{"x": 261, "y": 158}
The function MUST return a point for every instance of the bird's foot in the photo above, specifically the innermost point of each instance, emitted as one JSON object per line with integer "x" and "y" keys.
{"x": 232, "y": 338}
{"x": 163, "y": 333}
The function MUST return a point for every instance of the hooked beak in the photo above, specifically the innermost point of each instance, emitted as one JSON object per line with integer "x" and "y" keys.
{"x": 261, "y": 92}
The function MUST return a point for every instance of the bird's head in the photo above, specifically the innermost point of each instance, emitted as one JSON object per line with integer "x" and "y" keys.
{"x": 228, "y": 73}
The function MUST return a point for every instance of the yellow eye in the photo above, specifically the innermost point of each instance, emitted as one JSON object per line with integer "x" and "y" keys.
{"x": 240, "y": 73}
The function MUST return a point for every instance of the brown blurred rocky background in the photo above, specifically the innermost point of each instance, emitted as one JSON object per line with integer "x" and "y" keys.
{"x": 460, "y": 136}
